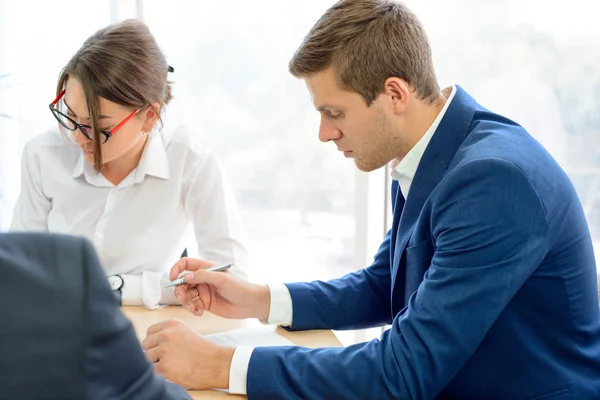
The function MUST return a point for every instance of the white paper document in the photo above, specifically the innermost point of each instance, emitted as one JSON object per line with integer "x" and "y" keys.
{"x": 253, "y": 337}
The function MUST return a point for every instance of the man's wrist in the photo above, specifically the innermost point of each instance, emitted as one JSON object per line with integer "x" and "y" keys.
{"x": 225, "y": 356}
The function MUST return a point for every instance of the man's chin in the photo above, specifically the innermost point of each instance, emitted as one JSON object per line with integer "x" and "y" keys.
{"x": 366, "y": 167}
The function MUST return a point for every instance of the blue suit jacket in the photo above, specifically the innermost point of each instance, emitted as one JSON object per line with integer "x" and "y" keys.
{"x": 487, "y": 277}
{"x": 62, "y": 334}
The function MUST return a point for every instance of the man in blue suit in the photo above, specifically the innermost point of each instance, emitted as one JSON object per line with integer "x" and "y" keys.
{"x": 62, "y": 334}
{"x": 487, "y": 275}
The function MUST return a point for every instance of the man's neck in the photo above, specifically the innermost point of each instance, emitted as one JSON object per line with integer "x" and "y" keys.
{"x": 422, "y": 116}
{"x": 425, "y": 115}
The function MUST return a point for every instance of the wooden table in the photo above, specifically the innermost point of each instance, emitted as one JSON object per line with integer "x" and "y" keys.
{"x": 142, "y": 318}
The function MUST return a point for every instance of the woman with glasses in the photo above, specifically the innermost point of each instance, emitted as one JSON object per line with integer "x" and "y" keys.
{"x": 111, "y": 173}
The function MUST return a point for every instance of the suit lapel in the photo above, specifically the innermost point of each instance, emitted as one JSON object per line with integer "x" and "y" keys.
{"x": 444, "y": 144}
{"x": 397, "y": 206}
{"x": 398, "y": 203}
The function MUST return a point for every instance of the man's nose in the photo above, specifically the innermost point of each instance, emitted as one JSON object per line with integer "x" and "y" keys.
{"x": 328, "y": 131}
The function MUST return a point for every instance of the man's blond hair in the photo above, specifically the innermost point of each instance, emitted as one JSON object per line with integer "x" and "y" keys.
{"x": 366, "y": 42}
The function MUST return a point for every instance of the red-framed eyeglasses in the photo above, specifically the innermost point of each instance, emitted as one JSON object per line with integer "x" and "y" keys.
{"x": 69, "y": 124}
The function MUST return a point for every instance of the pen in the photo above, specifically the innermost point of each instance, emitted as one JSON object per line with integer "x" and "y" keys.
{"x": 181, "y": 281}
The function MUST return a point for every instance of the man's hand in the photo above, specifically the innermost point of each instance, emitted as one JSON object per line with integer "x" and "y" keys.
{"x": 186, "y": 358}
{"x": 220, "y": 293}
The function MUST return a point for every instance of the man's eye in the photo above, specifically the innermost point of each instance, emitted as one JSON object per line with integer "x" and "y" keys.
{"x": 334, "y": 115}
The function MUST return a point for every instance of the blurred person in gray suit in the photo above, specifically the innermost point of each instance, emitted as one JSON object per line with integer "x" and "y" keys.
{"x": 62, "y": 334}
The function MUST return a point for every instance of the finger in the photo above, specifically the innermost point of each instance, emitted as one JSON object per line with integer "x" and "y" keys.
{"x": 216, "y": 279}
{"x": 181, "y": 292}
{"x": 188, "y": 264}
{"x": 195, "y": 302}
{"x": 153, "y": 355}
{"x": 193, "y": 294}
{"x": 185, "y": 293}
{"x": 151, "y": 341}
{"x": 159, "y": 326}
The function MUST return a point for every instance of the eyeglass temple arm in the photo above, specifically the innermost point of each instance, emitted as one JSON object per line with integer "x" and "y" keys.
{"x": 116, "y": 128}
{"x": 60, "y": 95}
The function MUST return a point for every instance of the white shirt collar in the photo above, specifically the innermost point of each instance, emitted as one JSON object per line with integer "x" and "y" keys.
{"x": 154, "y": 162}
{"x": 405, "y": 171}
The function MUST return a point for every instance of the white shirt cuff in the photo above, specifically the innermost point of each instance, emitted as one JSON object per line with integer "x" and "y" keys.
{"x": 141, "y": 289}
{"x": 281, "y": 311}
{"x": 238, "y": 373}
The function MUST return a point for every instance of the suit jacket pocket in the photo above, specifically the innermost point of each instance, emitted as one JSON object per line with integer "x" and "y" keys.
{"x": 562, "y": 394}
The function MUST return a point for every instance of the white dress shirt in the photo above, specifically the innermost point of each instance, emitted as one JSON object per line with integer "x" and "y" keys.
{"x": 141, "y": 226}
{"x": 281, "y": 311}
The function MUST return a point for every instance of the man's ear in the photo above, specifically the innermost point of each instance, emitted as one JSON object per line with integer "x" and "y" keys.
{"x": 397, "y": 92}
{"x": 151, "y": 116}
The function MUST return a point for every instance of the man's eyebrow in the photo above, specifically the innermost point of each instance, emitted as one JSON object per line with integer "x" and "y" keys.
{"x": 326, "y": 107}
{"x": 73, "y": 112}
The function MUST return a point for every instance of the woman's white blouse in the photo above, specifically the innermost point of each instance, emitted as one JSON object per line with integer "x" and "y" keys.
{"x": 140, "y": 227}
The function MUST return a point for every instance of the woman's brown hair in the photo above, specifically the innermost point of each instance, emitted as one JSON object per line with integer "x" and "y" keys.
{"x": 123, "y": 64}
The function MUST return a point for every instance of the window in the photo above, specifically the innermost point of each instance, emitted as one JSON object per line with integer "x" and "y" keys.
{"x": 308, "y": 213}
{"x": 296, "y": 195}
{"x": 34, "y": 47}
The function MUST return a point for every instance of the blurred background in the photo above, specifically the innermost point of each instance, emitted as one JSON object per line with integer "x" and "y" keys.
{"x": 309, "y": 214}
